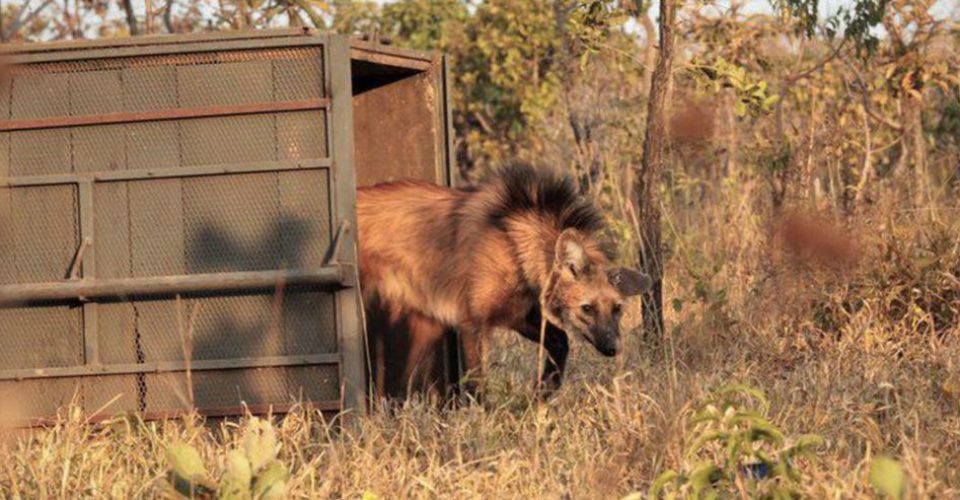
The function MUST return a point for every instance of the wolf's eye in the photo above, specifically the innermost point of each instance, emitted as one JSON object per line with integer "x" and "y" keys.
{"x": 587, "y": 308}
{"x": 617, "y": 309}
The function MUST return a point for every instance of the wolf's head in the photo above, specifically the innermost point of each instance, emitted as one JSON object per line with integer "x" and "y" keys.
{"x": 584, "y": 293}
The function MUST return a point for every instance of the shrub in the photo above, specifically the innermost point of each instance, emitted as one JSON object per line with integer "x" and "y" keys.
{"x": 735, "y": 449}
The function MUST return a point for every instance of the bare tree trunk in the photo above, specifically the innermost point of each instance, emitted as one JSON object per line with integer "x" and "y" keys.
{"x": 649, "y": 52}
{"x": 131, "y": 18}
{"x": 647, "y": 192}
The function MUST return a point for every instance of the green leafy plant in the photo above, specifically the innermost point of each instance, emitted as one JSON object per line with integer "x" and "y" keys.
{"x": 887, "y": 477}
{"x": 753, "y": 96}
{"x": 736, "y": 450}
{"x": 250, "y": 472}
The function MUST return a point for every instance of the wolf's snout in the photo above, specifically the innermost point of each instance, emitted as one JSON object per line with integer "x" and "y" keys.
{"x": 607, "y": 343}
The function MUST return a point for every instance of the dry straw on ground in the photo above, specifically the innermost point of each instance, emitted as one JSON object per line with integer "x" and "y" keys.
{"x": 866, "y": 359}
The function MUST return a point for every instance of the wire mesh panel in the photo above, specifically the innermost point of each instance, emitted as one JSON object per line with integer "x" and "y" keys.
{"x": 124, "y": 89}
{"x": 39, "y": 236}
{"x": 168, "y": 220}
{"x": 41, "y": 336}
{"x": 39, "y": 233}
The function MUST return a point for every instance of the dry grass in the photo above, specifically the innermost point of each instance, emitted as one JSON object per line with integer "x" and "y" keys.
{"x": 867, "y": 358}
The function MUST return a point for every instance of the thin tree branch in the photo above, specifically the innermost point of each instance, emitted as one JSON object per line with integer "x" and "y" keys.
{"x": 168, "y": 16}
{"x": 817, "y": 67}
{"x": 131, "y": 18}
{"x": 864, "y": 89}
{"x": 884, "y": 120}
{"x": 21, "y": 20}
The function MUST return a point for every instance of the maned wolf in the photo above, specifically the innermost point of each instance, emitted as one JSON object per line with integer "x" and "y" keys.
{"x": 487, "y": 257}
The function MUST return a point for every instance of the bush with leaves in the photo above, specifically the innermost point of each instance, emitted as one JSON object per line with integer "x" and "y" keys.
{"x": 249, "y": 472}
{"x": 735, "y": 450}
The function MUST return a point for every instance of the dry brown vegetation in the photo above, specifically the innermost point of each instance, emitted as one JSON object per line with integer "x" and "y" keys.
{"x": 866, "y": 358}
{"x": 812, "y": 252}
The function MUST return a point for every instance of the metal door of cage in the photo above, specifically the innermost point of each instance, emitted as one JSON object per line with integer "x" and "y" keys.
{"x": 174, "y": 226}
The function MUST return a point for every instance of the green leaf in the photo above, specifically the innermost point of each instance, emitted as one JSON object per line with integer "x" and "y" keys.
{"x": 770, "y": 101}
{"x": 747, "y": 417}
{"x": 740, "y": 108}
{"x": 185, "y": 460}
{"x": 709, "y": 413}
{"x": 718, "y": 436}
{"x": 661, "y": 482}
{"x": 804, "y": 446}
{"x": 233, "y": 491}
{"x": 734, "y": 447}
{"x": 677, "y": 305}
{"x": 746, "y": 390}
{"x": 188, "y": 476}
{"x": 765, "y": 431}
{"x": 703, "y": 476}
{"x": 887, "y": 477}
{"x": 271, "y": 483}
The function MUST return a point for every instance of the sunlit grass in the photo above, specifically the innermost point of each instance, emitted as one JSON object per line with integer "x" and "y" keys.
{"x": 865, "y": 358}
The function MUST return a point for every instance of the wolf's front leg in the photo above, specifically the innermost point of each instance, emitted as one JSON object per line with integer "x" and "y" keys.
{"x": 557, "y": 349}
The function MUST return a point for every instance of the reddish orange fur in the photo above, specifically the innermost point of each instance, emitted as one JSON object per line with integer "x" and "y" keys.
{"x": 481, "y": 259}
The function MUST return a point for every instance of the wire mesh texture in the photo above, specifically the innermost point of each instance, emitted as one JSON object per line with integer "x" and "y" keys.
{"x": 87, "y": 117}
{"x": 39, "y": 233}
{"x": 164, "y": 83}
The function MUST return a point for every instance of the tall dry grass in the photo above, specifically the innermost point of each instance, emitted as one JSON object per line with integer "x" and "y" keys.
{"x": 866, "y": 355}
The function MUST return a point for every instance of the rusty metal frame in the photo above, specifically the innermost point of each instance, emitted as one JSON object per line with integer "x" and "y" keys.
{"x": 229, "y": 411}
{"x": 24, "y": 54}
{"x": 371, "y": 51}
{"x": 449, "y": 136}
{"x": 91, "y": 345}
{"x": 162, "y": 40}
{"x": 337, "y": 276}
{"x": 169, "y": 366}
{"x": 171, "y": 114}
{"x": 337, "y": 72}
{"x": 453, "y": 356}
{"x": 324, "y": 406}
{"x": 437, "y": 68}
{"x": 88, "y": 289}
{"x": 168, "y": 173}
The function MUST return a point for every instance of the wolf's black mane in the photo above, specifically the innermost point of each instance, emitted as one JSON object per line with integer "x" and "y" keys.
{"x": 522, "y": 188}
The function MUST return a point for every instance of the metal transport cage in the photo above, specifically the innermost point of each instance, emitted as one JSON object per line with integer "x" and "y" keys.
{"x": 177, "y": 214}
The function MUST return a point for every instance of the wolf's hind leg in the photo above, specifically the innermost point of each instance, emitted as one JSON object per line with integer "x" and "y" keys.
{"x": 425, "y": 334}
{"x": 471, "y": 340}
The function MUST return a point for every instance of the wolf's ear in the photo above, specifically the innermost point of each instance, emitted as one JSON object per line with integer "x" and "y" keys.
{"x": 570, "y": 253}
{"x": 629, "y": 281}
